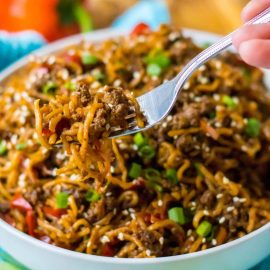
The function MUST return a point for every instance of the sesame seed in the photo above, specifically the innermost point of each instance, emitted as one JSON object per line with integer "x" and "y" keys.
{"x": 197, "y": 99}
{"x": 203, "y": 240}
{"x": 193, "y": 203}
{"x": 117, "y": 82}
{"x": 175, "y": 137}
{"x": 13, "y": 139}
{"x": 216, "y": 97}
{"x": 242, "y": 200}
{"x": 225, "y": 180}
{"x": 202, "y": 68}
{"x": 218, "y": 124}
{"x": 173, "y": 36}
{"x": 244, "y": 148}
{"x": 120, "y": 236}
{"x": 135, "y": 147}
{"x": 104, "y": 239}
{"x": 74, "y": 177}
{"x": 203, "y": 80}
{"x": 233, "y": 124}
{"x": 191, "y": 95}
{"x": 197, "y": 147}
{"x": 133, "y": 216}
{"x": 164, "y": 125}
{"x": 169, "y": 118}
{"x": 125, "y": 212}
{"x": 161, "y": 240}
{"x": 112, "y": 169}
{"x": 219, "y": 196}
{"x": 230, "y": 208}
{"x": 235, "y": 199}
{"x": 186, "y": 86}
{"x": 189, "y": 232}
{"x": 136, "y": 75}
{"x": 148, "y": 252}
{"x": 218, "y": 64}
{"x": 221, "y": 220}
{"x": 160, "y": 203}
{"x": 219, "y": 108}
{"x": 108, "y": 194}
{"x": 206, "y": 213}
{"x": 131, "y": 210}
{"x": 214, "y": 242}
{"x": 207, "y": 149}
{"x": 114, "y": 211}
{"x": 236, "y": 100}
{"x": 191, "y": 238}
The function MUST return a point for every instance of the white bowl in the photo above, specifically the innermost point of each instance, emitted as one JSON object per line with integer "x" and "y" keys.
{"x": 240, "y": 254}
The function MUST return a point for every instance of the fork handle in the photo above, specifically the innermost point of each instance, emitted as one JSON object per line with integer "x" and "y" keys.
{"x": 213, "y": 50}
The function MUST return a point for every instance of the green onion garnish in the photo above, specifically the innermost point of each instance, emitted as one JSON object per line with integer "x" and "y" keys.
{"x": 171, "y": 175}
{"x": 70, "y": 86}
{"x": 156, "y": 187}
{"x": 160, "y": 59}
{"x": 139, "y": 139}
{"x": 147, "y": 152}
{"x": 229, "y": 102}
{"x": 49, "y": 88}
{"x": 135, "y": 170}
{"x": 61, "y": 200}
{"x": 99, "y": 76}
{"x": 177, "y": 215}
{"x": 204, "y": 229}
{"x": 198, "y": 169}
{"x": 92, "y": 196}
{"x": 253, "y": 127}
{"x": 89, "y": 59}
{"x": 153, "y": 69}
{"x": 3, "y": 148}
{"x": 152, "y": 174}
{"x": 21, "y": 146}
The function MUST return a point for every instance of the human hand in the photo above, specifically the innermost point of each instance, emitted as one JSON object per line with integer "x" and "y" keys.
{"x": 253, "y": 41}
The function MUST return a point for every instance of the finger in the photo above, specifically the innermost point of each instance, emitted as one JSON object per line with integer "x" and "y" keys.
{"x": 249, "y": 32}
{"x": 253, "y": 8}
{"x": 256, "y": 52}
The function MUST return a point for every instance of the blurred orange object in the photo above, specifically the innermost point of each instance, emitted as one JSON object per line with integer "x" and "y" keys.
{"x": 39, "y": 15}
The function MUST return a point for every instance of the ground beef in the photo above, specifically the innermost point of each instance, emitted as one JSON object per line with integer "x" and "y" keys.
{"x": 185, "y": 143}
{"x": 83, "y": 90}
{"x": 114, "y": 96}
{"x": 207, "y": 198}
{"x": 118, "y": 115}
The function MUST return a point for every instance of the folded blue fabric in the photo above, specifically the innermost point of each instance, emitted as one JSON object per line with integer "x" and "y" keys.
{"x": 14, "y": 46}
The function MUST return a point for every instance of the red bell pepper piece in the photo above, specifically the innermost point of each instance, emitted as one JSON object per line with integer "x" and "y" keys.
{"x": 140, "y": 29}
{"x": 20, "y": 203}
{"x": 54, "y": 212}
{"x": 31, "y": 222}
{"x": 46, "y": 132}
{"x": 107, "y": 251}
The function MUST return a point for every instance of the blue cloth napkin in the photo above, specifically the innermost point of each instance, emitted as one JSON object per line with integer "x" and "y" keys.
{"x": 14, "y": 46}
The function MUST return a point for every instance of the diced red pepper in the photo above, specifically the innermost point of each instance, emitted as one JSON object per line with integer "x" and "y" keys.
{"x": 140, "y": 29}
{"x": 107, "y": 250}
{"x": 54, "y": 212}
{"x": 72, "y": 58}
{"x": 31, "y": 222}
{"x": 20, "y": 203}
{"x": 46, "y": 132}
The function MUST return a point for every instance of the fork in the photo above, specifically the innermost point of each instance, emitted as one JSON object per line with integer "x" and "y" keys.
{"x": 157, "y": 103}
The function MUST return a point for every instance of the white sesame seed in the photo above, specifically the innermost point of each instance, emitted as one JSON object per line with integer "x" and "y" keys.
{"x": 112, "y": 169}
{"x": 233, "y": 124}
{"x": 131, "y": 210}
{"x": 207, "y": 149}
{"x": 221, "y": 220}
{"x": 169, "y": 118}
{"x": 173, "y": 36}
{"x": 203, "y": 240}
{"x": 74, "y": 177}
{"x": 235, "y": 99}
{"x": 203, "y": 80}
{"x": 189, "y": 232}
{"x": 219, "y": 196}
{"x": 218, "y": 64}
{"x": 206, "y": 213}
{"x": 191, "y": 238}
{"x": 104, "y": 239}
{"x": 160, "y": 203}
{"x": 244, "y": 148}
{"x": 193, "y": 203}
{"x": 219, "y": 108}
{"x": 114, "y": 211}
{"x": 191, "y": 95}
{"x": 133, "y": 216}
{"x": 13, "y": 139}
{"x": 60, "y": 156}
{"x": 235, "y": 199}
{"x": 217, "y": 124}
{"x": 164, "y": 125}
{"x": 245, "y": 120}
{"x": 54, "y": 172}
{"x": 186, "y": 86}
{"x": 230, "y": 208}
{"x": 225, "y": 180}
{"x": 197, "y": 99}
{"x": 125, "y": 212}
{"x": 175, "y": 137}
{"x": 148, "y": 252}
{"x": 108, "y": 194}
{"x": 202, "y": 68}
{"x": 161, "y": 240}
{"x": 214, "y": 242}
{"x": 117, "y": 82}
{"x": 120, "y": 236}
{"x": 136, "y": 75}
{"x": 135, "y": 147}
{"x": 216, "y": 97}
{"x": 242, "y": 200}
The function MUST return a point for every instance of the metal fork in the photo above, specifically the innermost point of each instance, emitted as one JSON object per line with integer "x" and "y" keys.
{"x": 157, "y": 103}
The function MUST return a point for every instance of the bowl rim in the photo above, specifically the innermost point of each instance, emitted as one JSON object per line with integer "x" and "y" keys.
{"x": 98, "y": 36}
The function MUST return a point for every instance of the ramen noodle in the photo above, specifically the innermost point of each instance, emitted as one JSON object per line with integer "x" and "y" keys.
{"x": 196, "y": 180}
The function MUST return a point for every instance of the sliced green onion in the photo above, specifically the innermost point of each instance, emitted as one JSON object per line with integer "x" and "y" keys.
{"x": 198, "y": 169}
{"x": 21, "y": 146}
{"x": 89, "y": 59}
{"x": 229, "y": 102}
{"x": 70, "y": 86}
{"x": 135, "y": 170}
{"x": 156, "y": 186}
{"x": 204, "y": 229}
{"x": 99, "y": 76}
{"x": 61, "y": 200}
{"x": 152, "y": 174}
{"x": 253, "y": 127}
{"x": 92, "y": 196}
{"x": 49, "y": 88}
{"x": 139, "y": 139}
{"x": 177, "y": 215}
{"x": 83, "y": 18}
{"x": 147, "y": 152}
{"x": 153, "y": 69}
{"x": 206, "y": 45}
{"x": 161, "y": 59}
{"x": 212, "y": 115}
{"x": 171, "y": 175}
{"x": 3, "y": 148}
